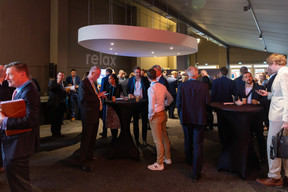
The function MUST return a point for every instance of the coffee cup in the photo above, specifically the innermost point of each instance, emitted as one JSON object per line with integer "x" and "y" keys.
{"x": 113, "y": 98}
{"x": 137, "y": 98}
{"x": 244, "y": 100}
{"x": 130, "y": 96}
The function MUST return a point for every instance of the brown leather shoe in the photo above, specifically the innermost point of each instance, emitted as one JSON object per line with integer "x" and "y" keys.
{"x": 270, "y": 182}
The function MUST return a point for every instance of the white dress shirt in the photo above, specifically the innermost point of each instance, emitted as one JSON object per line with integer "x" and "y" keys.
{"x": 158, "y": 97}
{"x": 138, "y": 88}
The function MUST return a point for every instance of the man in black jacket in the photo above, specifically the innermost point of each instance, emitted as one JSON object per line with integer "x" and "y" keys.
{"x": 57, "y": 103}
{"x": 138, "y": 86}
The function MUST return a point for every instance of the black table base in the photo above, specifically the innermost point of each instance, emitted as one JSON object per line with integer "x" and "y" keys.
{"x": 124, "y": 146}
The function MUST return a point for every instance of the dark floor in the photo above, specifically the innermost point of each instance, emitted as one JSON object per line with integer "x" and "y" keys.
{"x": 55, "y": 167}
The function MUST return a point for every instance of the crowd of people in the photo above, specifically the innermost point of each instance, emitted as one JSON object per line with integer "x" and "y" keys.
{"x": 189, "y": 91}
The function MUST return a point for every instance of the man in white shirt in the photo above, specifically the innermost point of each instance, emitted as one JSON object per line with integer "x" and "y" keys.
{"x": 158, "y": 97}
{"x": 278, "y": 117}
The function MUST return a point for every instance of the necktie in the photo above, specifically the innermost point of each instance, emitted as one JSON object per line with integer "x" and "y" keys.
{"x": 14, "y": 94}
{"x": 96, "y": 92}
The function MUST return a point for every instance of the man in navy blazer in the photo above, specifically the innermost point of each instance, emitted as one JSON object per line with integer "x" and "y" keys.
{"x": 159, "y": 77}
{"x": 223, "y": 88}
{"x": 74, "y": 80}
{"x": 138, "y": 86}
{"x": 89, "y": 96}
{"x": 239, "y": 80}
{"x": 18, "y": 148}
{"x": 192, "y": 100}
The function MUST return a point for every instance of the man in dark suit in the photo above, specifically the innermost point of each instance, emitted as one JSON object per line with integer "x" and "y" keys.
{"x": 73, "y": 80}
{"x": 160, "y": 78}
{"x": 57, "y": 103}
{"x": 138, "y": 86}
{"x": 173, "y": 83}
{"x": 18, "y": 148}
{"x": 5, "y": 94}
{"x": 192, "y": 100}
{"x": 223, "y": 88}
{"x": 90, "y": 99}
{"x": 105, "y": 87}
{"x": 248, "y": 91}
{"x": 239, "y": 80}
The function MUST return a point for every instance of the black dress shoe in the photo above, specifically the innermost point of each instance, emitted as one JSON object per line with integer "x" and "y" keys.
{"x": 86, "y": 168}
{"x": 173, "y": 117}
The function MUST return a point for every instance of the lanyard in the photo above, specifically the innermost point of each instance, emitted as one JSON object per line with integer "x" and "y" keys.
{"x": 154, "y": 82}
{"x": 112, "y": 90}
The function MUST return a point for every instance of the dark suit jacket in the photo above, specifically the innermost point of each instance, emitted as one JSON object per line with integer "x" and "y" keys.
{"x": 239, "y": 82}
{"x": 24, "y": 144}
{"x": 173, "y": 83}
{"x": 270, "y": 82}
{"x": 222, "y": 90}
{"x": 105, "y": 83}
{"x": 241, "y": 92}
{"x": 206, "y": 80}
{"x": 192, "y": 99}
{"x": 69, "y": 80}
{"x": 90, "y": 104}
{"x": 145, "y": 85}
{"x": 57, "y": 95}
{"x": 164, "y": 82}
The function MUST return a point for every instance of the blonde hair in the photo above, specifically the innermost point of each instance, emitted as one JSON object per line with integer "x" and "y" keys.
{"x": 277, "y": 58}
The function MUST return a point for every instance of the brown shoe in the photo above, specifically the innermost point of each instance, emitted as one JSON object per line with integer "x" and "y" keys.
{"x": 270, "y": 182}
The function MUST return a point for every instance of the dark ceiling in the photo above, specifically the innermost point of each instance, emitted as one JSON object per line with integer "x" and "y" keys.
{"x": 227, "y": 21}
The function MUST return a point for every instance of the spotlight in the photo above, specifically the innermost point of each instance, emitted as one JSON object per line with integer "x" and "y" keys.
{"x": 260, "y": 36}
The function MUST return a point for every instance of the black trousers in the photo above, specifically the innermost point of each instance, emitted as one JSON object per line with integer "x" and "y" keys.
{"x": 89, "y": 133}
{"x": 57, "y": 114}
{"x": 17, "y": 172}
{"x": 1, "y": 159}
{"x": 144, "y": 115}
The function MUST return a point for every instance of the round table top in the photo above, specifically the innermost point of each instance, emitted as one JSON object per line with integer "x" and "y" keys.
{"x": 125, "y": 102}
{"x": 236, "y": 108}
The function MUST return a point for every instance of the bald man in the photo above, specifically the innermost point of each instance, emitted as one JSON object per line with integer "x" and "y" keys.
{"x": 192, "y": 100}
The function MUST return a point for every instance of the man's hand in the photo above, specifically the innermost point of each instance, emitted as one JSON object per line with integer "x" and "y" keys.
{"x": 2, "y": 116}
{"x": 150, "y": 118}
{"x": 102, "y": 94}
{"x": 262, "y": 92}
{"x": 285, "y": 125}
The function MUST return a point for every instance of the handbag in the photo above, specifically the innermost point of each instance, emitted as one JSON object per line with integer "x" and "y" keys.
{"x": 279, "y": 146}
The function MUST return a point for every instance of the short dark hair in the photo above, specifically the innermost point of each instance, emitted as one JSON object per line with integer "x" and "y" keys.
{"x": 109, "y": 70}
{"x": 151, "y": 73}
{"x": 73, "y": 70}
{"x": 246, "y": 73}
{"x": 116, "y": 78}
{"x": 136, "y": 67}
{"x": 243, "y": 70}
{"x": 224, "y": 71}
{"x": 60, "y": 72}
{"x": 19, "y": 66}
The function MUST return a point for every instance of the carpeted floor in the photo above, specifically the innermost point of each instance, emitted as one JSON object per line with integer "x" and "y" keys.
{"x": 55, "y": 167}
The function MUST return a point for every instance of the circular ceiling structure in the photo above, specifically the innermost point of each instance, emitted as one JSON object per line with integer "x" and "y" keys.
{"x": 135, "y": 41}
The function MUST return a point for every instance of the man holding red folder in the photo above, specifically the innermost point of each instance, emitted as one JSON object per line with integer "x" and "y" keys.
{"x": 19, "y": 147}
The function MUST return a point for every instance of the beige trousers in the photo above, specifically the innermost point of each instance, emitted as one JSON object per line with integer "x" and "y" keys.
{"x": 158, "y": 128}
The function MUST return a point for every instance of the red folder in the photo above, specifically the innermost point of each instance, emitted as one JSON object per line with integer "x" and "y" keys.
{"x": 14, "y": 108}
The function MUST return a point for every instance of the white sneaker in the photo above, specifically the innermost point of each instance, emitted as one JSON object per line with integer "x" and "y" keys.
{"x": 156, "y": 167}
{"x": 167, "y": 161}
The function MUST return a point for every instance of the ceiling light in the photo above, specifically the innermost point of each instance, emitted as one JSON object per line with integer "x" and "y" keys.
{"x": 206, "y": 63}
{"x": 264, "y": 62}
{"x": 171, "y": 48}
{"x": 246, "y": 8}
{"x": 198, "y": 40}
{"x": 239, "y": 63}
{"x": 112, "y": 44}
{"x": 152, "y": 52}
{"x": 178, "y": 53}
{"x": 134, "y": 41}
{"x": 260, "y": 36}
{"x": 116, "y": 53}
{"x": 111, "y": 49}
{"x": 265, "y": 49}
